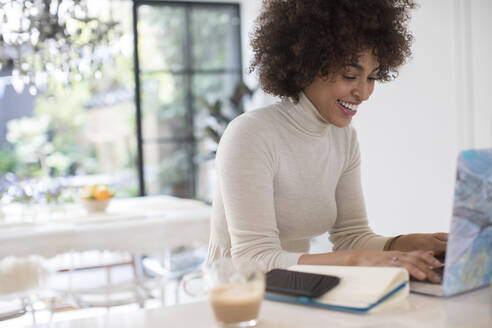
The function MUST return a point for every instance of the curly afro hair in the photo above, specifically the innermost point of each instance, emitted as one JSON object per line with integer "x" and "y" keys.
{"x": 295, "y": 41}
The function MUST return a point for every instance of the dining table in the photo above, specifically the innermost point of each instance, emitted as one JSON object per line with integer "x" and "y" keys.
{"x": 137, "y": 225}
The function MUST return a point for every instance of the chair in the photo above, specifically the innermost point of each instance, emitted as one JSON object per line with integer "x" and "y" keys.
{"x": 20, "y": 281}
{"x": 173, "y": 266}
{"x": 89, "y": 279}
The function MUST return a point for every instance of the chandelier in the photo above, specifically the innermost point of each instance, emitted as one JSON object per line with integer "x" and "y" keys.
{"x": 42, "y": 40}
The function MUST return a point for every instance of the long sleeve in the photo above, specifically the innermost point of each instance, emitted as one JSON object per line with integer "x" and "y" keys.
{"x": 284, "y": 176}
{"x": 351, "y": 228}
{"x": 246, "y": 170}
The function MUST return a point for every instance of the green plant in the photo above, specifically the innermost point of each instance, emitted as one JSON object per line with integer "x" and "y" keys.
{"x": 173, "y": 172}
{"x": 221, "y": 115}
{"x": 8, "y": 160}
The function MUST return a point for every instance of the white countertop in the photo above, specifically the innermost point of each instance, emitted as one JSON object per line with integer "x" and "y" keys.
{"x": 470, "y": 310}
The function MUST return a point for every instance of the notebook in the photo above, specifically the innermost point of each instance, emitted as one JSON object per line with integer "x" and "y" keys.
{"x": 360, "y": 290}
{"x": 468, "y": 261}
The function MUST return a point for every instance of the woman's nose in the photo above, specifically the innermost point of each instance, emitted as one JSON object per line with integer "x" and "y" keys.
{"x": 363, "y": 91}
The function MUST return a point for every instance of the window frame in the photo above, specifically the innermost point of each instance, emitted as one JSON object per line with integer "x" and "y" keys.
{"x": 188, "y": 71}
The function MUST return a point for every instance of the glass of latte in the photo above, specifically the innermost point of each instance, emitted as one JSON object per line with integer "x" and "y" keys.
{"x": 235, "y": 289}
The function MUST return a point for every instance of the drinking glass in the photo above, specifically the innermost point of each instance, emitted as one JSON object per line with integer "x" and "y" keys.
{"x": 235, "y": 289}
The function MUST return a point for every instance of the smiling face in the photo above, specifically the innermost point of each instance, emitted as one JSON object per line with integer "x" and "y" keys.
{"x": 337, "y": 98}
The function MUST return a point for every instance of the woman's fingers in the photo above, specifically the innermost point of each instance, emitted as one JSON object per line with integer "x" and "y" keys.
{"x": 414, "y": 271}
{"x": 424, "y": 261}
{"x": 420, "y": 264}
{"x": 429, "y": 258}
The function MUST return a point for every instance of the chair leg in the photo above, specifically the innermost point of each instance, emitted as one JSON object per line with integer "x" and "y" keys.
{"x": 29, "y": 304}
{"x": 33, "y": 314}
{"x": 163, "y": 284}
{"x": 139, "y": 280}
{"x": 52, "y": 308}
{"x": 107, "y": 268}
{"x": 109, "y": 283}
{"x": 177, "y": 291}
{"x": 71, "y": 269}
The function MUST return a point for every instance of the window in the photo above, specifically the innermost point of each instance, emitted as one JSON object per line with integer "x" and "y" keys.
{"x": 95, "y": 132}
{"x": 60, "y": 138}
{"x": 189, "y": 53}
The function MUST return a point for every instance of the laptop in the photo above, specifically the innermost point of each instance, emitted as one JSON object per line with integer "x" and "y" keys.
{"x": 468, "y": 259}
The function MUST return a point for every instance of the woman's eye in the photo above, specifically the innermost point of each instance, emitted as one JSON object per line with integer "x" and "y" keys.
{"x": 372, "y": 78}
{"x": 348, "y": 77}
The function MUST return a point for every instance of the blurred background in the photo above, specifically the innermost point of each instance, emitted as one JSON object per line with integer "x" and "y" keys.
{"x": 80, "y": 104}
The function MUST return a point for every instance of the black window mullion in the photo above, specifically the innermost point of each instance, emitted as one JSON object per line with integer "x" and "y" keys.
{"x": 239, "y": 46}
{"x": 138, "y": 103}
{"x": 189, "y": 103}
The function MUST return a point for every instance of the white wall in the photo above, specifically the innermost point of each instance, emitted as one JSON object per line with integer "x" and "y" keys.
{"x": 411, "y": 129}
{"x": 249, "y": 11}
{"x": 481, "y": 56}
{"x": 408, "y": 132}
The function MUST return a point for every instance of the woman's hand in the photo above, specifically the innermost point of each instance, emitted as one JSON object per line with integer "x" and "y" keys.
{"x": 435, "y": 242}
{"x": 420, "y": 264}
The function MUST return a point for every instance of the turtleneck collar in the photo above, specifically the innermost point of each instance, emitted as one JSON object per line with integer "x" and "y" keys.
{"x": 305, "y": 116}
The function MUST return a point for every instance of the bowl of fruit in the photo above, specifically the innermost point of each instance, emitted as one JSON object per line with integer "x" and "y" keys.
{"x": 96, "y": 198}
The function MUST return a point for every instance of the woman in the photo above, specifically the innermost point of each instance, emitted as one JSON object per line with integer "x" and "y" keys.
{"x": 291, "y": 171}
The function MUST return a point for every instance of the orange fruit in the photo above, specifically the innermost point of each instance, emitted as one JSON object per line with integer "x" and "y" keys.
{"x": 101, "y": 193}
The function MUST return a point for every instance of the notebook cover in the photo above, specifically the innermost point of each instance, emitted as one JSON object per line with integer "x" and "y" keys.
{"x": 310, "y": 302}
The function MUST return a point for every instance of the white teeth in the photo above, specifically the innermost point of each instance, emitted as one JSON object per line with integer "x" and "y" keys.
{"x": 348, "y": 105}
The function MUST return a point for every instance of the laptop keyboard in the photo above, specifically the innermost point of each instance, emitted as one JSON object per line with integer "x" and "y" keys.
{"x": 438, "y": 271}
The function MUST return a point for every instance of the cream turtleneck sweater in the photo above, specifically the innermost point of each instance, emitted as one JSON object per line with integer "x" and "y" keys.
{"x": 284, "y": 176}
